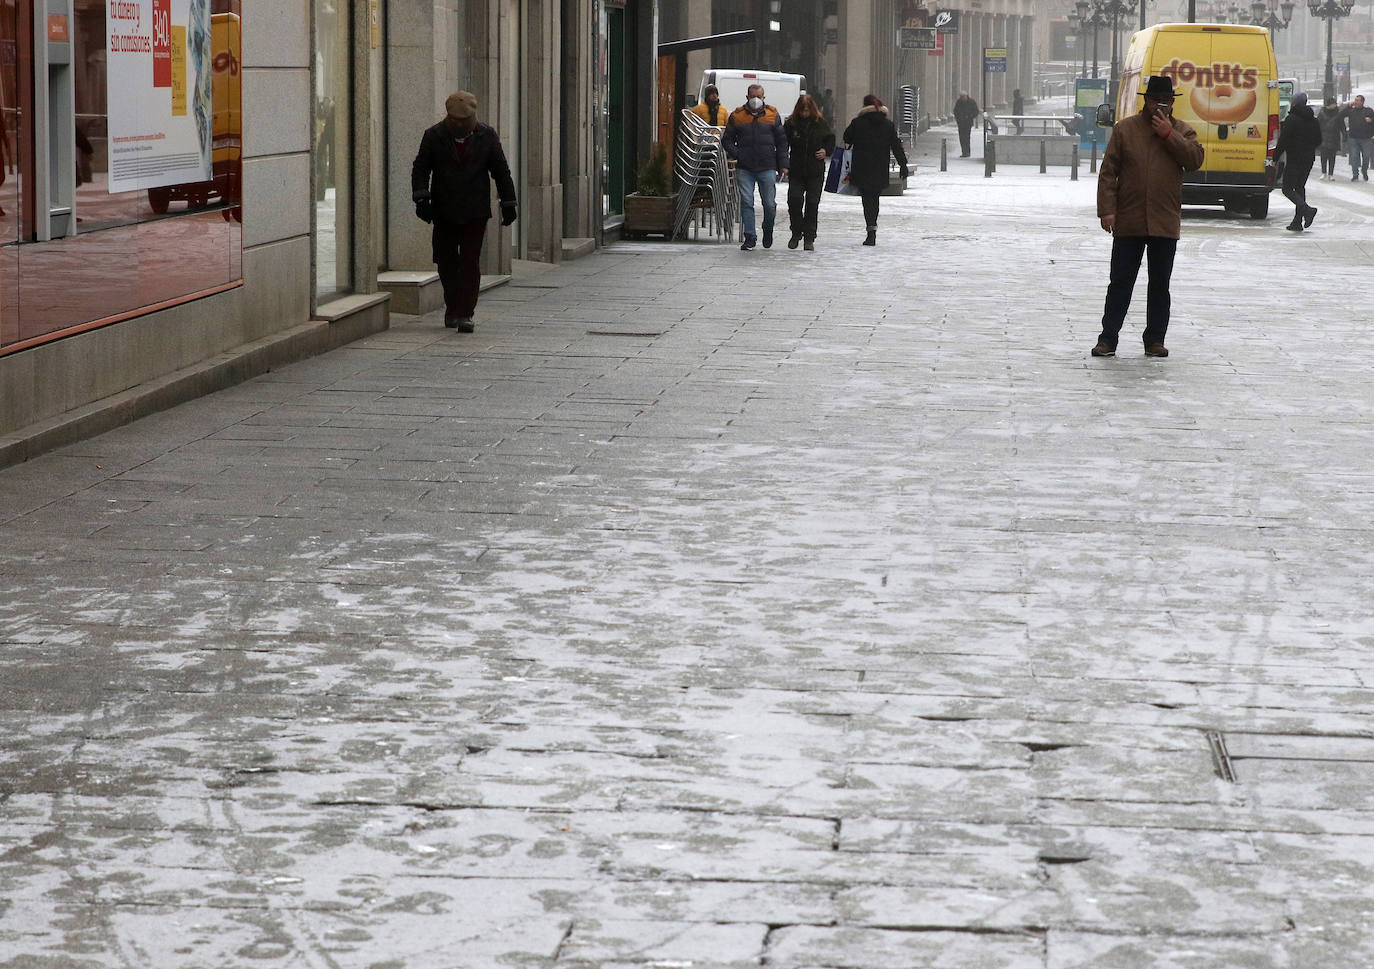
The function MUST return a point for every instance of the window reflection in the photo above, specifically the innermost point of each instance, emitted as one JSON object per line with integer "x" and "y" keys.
{"x": 333, "y": 200}
{"x": 132, "y": 250}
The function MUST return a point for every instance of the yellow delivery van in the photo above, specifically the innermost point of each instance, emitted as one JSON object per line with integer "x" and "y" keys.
{"x": 1228, "y": 89}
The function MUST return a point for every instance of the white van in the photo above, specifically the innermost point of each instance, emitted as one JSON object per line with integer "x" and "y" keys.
{"x": 780, "y": 90}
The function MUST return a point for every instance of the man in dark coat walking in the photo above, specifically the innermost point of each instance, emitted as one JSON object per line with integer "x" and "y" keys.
{"x": 1299, "y": 138}
{"x": 450, "y": 183}
{"x": 872, "y": 137}
{"x": 1140, "y": 203}
{"x": 755, "y": 140}
{"x": 965, "y": 110}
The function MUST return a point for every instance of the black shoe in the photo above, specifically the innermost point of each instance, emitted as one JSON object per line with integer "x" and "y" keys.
{"x": 1104, "y": 349}
{"x": 1294, "y": 226}
{"x": 748, "y": 243}
{"x": 768, "y": 238}
{"x": 465, "y": 324}
{"x": 1156, "y": 350}
{"x": 1366, "y": 176}
{"x": 1354, "y": 178}
{"x": 872, "y": 238}
{"x": 793, "y": 242}
{"x": 451, "y": 321}
{"x": 1309, "y": 215}
{"x": 810, "y": 245}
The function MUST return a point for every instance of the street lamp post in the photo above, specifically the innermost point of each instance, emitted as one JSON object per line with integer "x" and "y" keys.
{"x": 1330, "y": 11}
{"x": 1265, "y": 15}
{"x": 1076, "y": 22}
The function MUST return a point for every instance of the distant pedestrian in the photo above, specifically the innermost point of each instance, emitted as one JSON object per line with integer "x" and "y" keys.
{"x": 1359, "y": 133}
{"x": 827, "y": 103}
{"x": 1333, "y": 136}
{"x": 1140, "y": 202}
{"x": 450, "y": 183}
{"x": 710, "y": 109}
{"x": 873, "y": 137}
{"x": 1299, "y": 138}
{"x": 1018, "y": 107}
{"x": 809, "y": 141}
{"x": 755, "y": 140}
{"x": 965, "y": 111}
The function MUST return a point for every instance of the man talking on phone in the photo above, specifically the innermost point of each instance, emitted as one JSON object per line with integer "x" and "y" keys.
{"x": 1140, "y": 203}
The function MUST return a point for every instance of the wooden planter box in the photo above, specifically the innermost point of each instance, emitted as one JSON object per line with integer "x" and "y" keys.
{"x": 649, "y": 214}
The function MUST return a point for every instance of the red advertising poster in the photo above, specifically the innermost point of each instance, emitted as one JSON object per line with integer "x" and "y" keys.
{"x": 162, "y": 43}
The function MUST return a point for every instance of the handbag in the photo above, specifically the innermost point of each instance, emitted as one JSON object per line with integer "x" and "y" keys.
{"x": 837, "y": 176}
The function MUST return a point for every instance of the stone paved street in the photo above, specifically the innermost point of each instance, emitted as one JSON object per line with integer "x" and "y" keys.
{"x": 713, "y": 609}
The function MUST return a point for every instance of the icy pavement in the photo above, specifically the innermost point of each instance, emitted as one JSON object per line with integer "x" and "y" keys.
{"x": 713, "y": 609}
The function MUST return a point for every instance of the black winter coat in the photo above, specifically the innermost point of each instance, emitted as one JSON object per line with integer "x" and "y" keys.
{"x": 1360, "y": 120}
{"x": 965, "y": 110}
{"x": 461, "y": 190}
{"x": 1333, "y": 132}
{"x": 873, "y": 137}
{"x": 1299, "y": 136}
{"x": 805, "y": 137}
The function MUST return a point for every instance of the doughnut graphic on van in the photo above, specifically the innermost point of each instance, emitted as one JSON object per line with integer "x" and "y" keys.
{"x": 1228, "y": 88}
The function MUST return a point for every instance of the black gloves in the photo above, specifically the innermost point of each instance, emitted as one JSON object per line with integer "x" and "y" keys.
{"x": 906, "y": 172}
{"x": 507, "y": 213}
{"x": 424, "y": 208}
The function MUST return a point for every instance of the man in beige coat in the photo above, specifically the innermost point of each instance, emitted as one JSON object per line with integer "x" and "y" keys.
{"x": 1140, "y": 203}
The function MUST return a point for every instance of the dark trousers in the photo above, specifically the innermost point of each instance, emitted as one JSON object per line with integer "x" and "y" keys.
{"x": 870, "y": 200}
{"x": 1329, "y": 160}
{"x": 964, "y": 130}
{"x": 803, "y": 204}
{"x": 458, "y": 257}
{"x": 1127, "y": 252}
{"x": 1295, "y": 184}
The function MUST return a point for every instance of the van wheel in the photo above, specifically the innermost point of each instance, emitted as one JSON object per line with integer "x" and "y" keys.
{"x": 1236, "y": 204}
{"x": 1259, "y": 207}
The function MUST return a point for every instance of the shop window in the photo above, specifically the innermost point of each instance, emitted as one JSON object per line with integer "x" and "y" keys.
{"x": 121, "y": 148}
{"x": 332, "y": 149}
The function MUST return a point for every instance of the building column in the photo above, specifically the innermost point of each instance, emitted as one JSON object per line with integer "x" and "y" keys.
{"x": 541, "y": 204}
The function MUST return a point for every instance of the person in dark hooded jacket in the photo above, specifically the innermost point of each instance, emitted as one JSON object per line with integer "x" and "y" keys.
{"x": 872, "y": 137}
{"x": 1299, "y": 138}
{"x": 1333, "y": 136}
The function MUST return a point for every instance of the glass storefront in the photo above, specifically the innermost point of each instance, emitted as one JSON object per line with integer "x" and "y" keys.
{"x": 119, "y": 161}
{"x": 332, "y": 151}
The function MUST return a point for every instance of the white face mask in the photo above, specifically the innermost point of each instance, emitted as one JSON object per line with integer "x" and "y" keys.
{"x": 755, "y": 104}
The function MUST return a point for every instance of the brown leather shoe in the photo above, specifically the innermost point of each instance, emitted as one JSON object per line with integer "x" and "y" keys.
{"x": 1104, "y": 349}
{"x": 1156, "y": 350}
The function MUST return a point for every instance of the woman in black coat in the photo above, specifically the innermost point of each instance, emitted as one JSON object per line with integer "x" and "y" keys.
{"x": 1299, "y": 138}
{"x": 809, "y": 141}
{"x": 872, "y": 137}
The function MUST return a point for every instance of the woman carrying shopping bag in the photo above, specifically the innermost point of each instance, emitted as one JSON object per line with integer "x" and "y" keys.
{"x": 872, "y": 136}
{"x": 809, "y": 140}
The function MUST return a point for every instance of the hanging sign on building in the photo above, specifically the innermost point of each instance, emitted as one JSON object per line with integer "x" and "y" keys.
{"x": 158, "y": 76}
{"x": 994, "y": 61}
{"x": 916, "y": 38}
{"x": 947, "y": 21}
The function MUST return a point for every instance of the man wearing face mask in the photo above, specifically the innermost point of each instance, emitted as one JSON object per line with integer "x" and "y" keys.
{"x": 1140, "y": 204}
{"x": 755, "y": 140}
{"x": 450, "y": 183}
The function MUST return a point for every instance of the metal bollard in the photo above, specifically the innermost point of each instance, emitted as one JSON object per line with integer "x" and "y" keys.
{"x": 944, "y": 154}
{"x": 989, "y": 159}
{"x": 1042, "y": 156}
{"x": 1093, "y": 170}
{"x": 1073, "y": 172}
